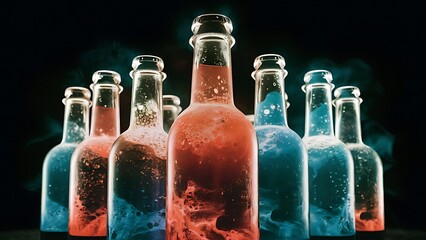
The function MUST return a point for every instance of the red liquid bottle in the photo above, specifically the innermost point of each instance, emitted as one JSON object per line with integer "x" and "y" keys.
{"x": 89, "y": 162}
{"x": 212, "y": 190}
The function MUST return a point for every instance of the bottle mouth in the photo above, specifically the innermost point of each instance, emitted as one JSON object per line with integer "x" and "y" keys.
{"x": 268, "y": 63}
{"x": 347, "y": 93}
{"x": 149, "y": 64}
{"x": 171, "y": 100}
{"x": 215, "y": 20}
{"x": 318, "y": 77}
{"x": 106, "y": 77}
{"x": 212, "y": 25}
{"x": 77, "y": 93}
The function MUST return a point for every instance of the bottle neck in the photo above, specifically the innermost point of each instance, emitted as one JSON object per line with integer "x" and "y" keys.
{"x": 348, "y": 120}
{"x": 270, "y": 103}
{"x": 319, "y": 116}
{"x": 212, "y": 73}
{"x": 76, "y": 121}
{"x": 170, "y": 113}
{"x": 147, "y": 101}
{"x": 105, "y": 111}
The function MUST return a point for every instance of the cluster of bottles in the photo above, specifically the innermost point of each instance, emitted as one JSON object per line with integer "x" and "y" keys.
{"x": 209, "y": 172}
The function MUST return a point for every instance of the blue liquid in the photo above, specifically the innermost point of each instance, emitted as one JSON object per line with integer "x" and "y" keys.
{"x": 283, "y": 176}
{"x": 137, "y": 193}
{"x": 129, "y": 222}
{"x": 330, "y": 182}
{"x": 54, "y": 215}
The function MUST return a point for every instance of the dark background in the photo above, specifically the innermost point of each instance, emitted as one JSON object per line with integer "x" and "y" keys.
{"x": 375, "y": 45}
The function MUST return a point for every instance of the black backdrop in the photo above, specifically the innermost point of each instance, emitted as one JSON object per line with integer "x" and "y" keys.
{"x": 375, "y": 45}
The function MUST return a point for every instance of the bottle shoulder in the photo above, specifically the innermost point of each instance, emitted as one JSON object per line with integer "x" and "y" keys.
{"x": 138, "y": 132}
{"x": 60, "y": 154}
{"x": 142, "y": 139}
{"x": 278, "y": 133}
{"x": 276, "y": 128}
{"x": 363, "y": 152}
{"x": 212, "y": 114}
{"x": 99, "y": 146}
{"x": 324, "y": 142}
{"x": 61, "y": 149}
{"x": 208, "y": 123}
{"x": 97, "y": 140}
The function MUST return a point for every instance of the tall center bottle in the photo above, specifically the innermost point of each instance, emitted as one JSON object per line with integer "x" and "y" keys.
{"x": 212, "y": 190}
{"x": 137, "y": 161}
{"x": 89, "y": 162}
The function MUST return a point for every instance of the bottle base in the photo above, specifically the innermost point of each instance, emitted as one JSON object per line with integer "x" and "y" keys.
{"x": 377, "y": 235}
{"x": 85, "y": 238}
{"x": 333, "y": 237}
{"x": 53, "y": 235}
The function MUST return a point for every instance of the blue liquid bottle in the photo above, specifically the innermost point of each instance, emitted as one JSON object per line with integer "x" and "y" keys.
{"x": 56, "y": 166}
{"x": 331, "y": 168}
{"x": 137, "y": 161}
{"x": 283, "y": 162}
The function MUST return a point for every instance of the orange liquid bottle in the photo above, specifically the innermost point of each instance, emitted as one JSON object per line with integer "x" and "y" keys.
{"x": 212, "y": 190}
{"x": 89, "y": 162}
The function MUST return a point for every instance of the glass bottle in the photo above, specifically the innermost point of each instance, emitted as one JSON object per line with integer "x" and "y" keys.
{"x": 330, "y": 164}
{"x": 171, "y": 109}
{"x": 56, "y": 165}
{"x": 212, "y": 190}
{"x": 89, "y": 162}
{"x": 137, "y": 160}
{"x": 369, "y": 195}
{"x": 283, "y": 158}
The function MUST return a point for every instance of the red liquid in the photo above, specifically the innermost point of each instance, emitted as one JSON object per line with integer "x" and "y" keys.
{"x": 212, "y": 175}
{"x": 88, "y": 209}
{"x": 369, "y": 220}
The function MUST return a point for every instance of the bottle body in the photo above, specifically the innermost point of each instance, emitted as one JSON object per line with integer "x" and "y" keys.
{"x": 55, "y": 187}
{"x": 56, "y": 165}
{"x": 88, "y": 187}
{"x": 212, "y": 175}
{"x": 283, "y": 184}
{"x": 369, "y": 195}
{"x": 331, "y": 199}
{"x": 138, "y": 185}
